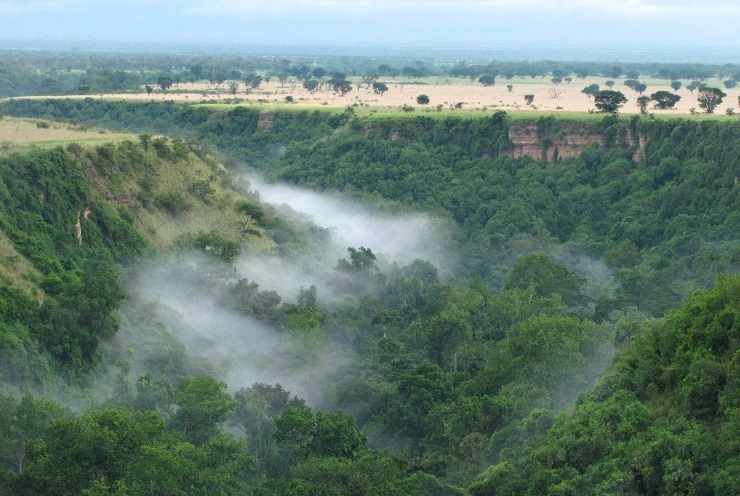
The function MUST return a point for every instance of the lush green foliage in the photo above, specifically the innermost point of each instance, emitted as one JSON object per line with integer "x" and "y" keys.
{"x": 663, "y": 419}
{"x": 442, "y": 382}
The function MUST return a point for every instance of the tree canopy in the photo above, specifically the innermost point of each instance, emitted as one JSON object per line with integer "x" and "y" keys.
{"x": 609, "y": 100}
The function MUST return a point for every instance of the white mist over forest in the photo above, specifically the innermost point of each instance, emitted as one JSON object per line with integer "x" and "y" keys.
{"x": 393, "y": 238}
{"x": 244, "y": 350}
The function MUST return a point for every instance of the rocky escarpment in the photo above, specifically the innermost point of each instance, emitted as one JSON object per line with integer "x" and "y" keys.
{"x": 266, "y": 122}
{"x": 529, "y": 141}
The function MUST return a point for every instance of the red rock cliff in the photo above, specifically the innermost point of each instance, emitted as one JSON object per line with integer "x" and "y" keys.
{"x": 527, "y": 143}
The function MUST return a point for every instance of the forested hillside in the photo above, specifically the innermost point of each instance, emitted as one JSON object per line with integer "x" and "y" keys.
{"x": 124, "y": 298}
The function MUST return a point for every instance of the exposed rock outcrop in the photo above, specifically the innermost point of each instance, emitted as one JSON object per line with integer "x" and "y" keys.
{"x": 78, "y": 226}
{"x": 528, "y": 143}
{"x": 265, "y": 122}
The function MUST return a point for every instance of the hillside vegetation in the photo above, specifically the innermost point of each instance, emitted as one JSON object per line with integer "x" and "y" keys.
{"x": 412, "y": 379}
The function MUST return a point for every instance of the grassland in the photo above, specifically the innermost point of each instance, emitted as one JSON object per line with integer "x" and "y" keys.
{"x": 458, "y": 96}
{"x": 20, "y": 134}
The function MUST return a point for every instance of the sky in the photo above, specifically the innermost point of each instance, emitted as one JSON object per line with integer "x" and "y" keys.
{"x": 462, "y": 23}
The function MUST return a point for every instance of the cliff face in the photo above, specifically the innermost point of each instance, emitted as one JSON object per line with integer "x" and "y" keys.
{"x": 266, "y": 122}
{"x": 527, "y": 143}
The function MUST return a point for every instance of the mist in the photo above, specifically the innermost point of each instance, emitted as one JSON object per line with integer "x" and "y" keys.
{"x": 188, "y": 291}
{"x": 394, "y": 239}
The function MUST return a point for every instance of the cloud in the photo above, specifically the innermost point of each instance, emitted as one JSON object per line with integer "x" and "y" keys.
{"x": 14, "y": 8}
{"x": 236, "y": 347}
{"x": 10, "y": 8}
{"x": 401, "y": 238}
{"x": 481, "y": 8}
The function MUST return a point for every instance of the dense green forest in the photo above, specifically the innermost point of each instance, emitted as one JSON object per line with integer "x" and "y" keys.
{"x": 24, "y": 73}
{"x": 561, "y": 353}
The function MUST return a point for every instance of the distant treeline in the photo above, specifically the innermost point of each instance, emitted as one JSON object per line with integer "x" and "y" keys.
{"x": 25, "y": 73}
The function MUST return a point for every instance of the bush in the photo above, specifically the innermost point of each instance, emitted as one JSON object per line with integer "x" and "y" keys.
{"x": 175, "y": 203}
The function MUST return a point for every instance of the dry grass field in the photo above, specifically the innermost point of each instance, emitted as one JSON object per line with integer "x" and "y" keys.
{"x": 444, "y": 92}
{"x": 20, "y": 133}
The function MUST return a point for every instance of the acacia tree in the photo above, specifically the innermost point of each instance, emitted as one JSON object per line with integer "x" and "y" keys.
{"x": 164, "y": 82}
{"x": 487, "y": 80}
{"x": 676, "y": 85}
{"x": 342, "y": 87}
{"x": 590, "y": 90}
{"x": 664, "y": 99}
{"x": 311, "y": 84}
{"x": 710, "y": 98}
{"x": 609, "y": 100}
{"x": 379, "y": 88}
{"x": 422, "y": 99}
{"x": 233, "y": 87}
{"x": 253, "y": 80}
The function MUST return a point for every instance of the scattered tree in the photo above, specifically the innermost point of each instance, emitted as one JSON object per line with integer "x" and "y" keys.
{"x": 664, "y": 99}
{"x": 710, "y": 98}
{"x": 311, "y": 84}
{"x": 635, "y": 85}
{"x": 555, "y": 92}
{"x": 379, "y": 88}
{"x": 253, "y": 80}
{"x": 369, "y": 78}
{"x": 487, "y": 80}
{"x": 422, "y": 100}
{"x": 509, "y": 87}
{"x": 318, "y": 72}
{"x": 693, "y": 85}
{"x": 590, "y": 90}
{"x": 148, "y": 89}
{"x": 676, "y": 85}
{"x": 609, "y": 84}
{"x": 609, "y": 101}
{"x": 529, "y": 99}
{"x": 642, "y": 103}
{"x": 283, "y": 78}
{"x": 164, "y": 82}
{"x": 146, "y": 140}
{"x": 233, "y": 87}
{"x": 342, "y": 87}
{"x": 729, "y": 83}
{"x": 289, "y": 99}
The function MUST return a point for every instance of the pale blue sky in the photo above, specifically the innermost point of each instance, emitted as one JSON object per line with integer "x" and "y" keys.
{"x": 649, "y": 23}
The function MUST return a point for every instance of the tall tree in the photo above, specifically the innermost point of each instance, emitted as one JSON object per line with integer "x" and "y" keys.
{"x": 664, "y": 99}
{"x": 710, "y": 98}
{"x": 609, "y": 101}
